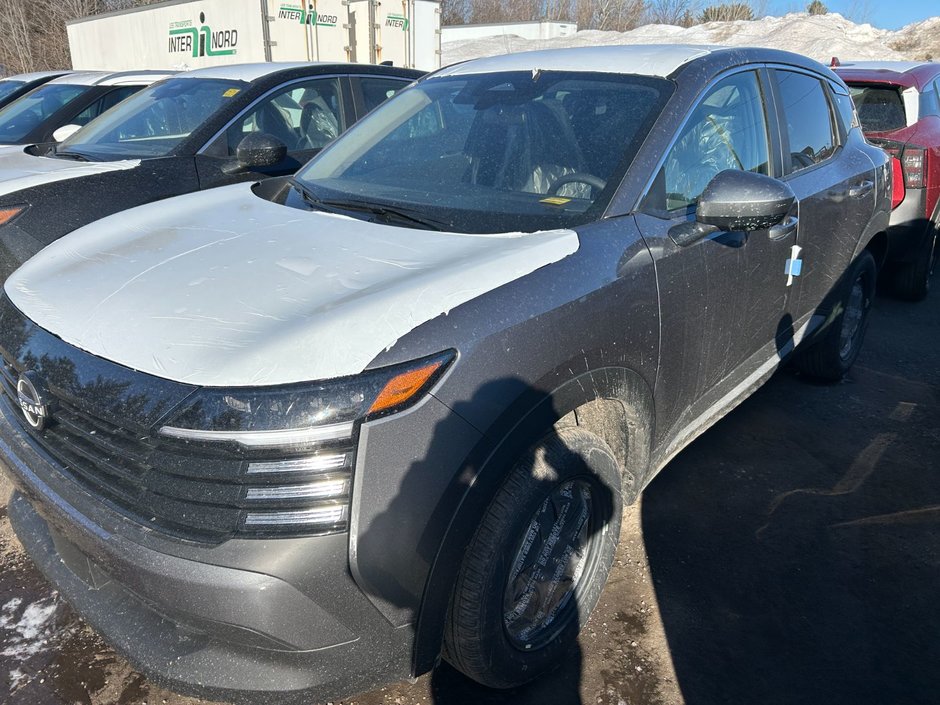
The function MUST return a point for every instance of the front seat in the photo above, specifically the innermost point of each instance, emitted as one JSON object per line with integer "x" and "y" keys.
{"x": 522, "y": 148}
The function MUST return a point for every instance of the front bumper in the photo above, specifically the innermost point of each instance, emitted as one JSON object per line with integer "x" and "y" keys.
{"x": 247, "y": 621}
{"x": 908, "y": 227}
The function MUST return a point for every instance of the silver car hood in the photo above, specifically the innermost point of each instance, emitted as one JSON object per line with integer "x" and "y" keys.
{"x": 223, "y": 288}
{"x": 19, "y": 170}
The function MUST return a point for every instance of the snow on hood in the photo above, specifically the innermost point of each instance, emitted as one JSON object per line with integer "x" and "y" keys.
{"x": 223, "y": 288}
{"x": 19, "y": 170}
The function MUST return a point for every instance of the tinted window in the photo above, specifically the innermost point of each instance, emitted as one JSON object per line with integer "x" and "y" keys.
{"x": 155, "y": 120}
{"x": 727, "y": 130}
{"x": 376, "y": 91}
{"x": 846, "y": 109}
{"x": 8, "y": 88}
{"x": 929, "y": 102}
{"x": 104, "y": 103}
{"x": 495, "y": 152}
{"x": 880, "y": 107}
{"x": 25, "y": 114}
{"x": 304, "y": 115}
{"x": 808, "y": 119}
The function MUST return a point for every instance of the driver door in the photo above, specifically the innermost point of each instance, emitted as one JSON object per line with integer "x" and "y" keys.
{"x": 724, "y": 299}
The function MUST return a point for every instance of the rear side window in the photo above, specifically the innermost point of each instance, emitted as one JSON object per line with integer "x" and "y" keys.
{"x": 376, "y": 90}
{"x": 846, "y": 109}
{"x": 727, "y": 130}
{"x": 929, "y": 102}
{"x": 880, "y": 107}
{"x": 104, "y": 103}
{"x": 808, "y": 119}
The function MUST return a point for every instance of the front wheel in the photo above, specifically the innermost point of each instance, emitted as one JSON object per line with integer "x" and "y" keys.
{"x": 831, "y": 356}
{"x": 535, "y": 568}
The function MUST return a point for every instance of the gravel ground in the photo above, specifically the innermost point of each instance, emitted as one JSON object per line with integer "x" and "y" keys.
{"x": 792, "y": 554}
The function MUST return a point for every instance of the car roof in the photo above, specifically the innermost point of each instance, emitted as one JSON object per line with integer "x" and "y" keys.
{"x": 644, "y": 59}
{"x": 917, "y": 74}
{"x": 34, "y": 76}
{"x": 111, "y": 78}
{"x": 252, "y": 72}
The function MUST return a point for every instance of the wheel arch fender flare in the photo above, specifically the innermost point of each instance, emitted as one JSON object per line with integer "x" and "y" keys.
{"x": 609, "y": 401}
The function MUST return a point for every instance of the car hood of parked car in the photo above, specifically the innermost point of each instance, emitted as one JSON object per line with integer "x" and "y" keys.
{"x": 20, "y": 170}
{"x": 225, "y": 288}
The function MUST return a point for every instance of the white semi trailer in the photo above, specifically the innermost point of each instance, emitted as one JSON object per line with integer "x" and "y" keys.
{"x": 184, "y": 34}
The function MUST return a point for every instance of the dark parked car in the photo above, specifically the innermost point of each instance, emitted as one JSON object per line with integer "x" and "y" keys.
{"x": 180, "y": 135}
{"x": 303, "y": 437}
{"x": 12, "y": 87}
{"x": 899, "y": 107}
{"x": 72, "y": 99}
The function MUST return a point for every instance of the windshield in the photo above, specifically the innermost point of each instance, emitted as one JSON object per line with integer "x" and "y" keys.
{"x": 154, "y": 121}
{"x": 8, "y": 88}
{"x": 880, "y": 107}
{"x": 25, "y": 114}
{"x": 512, "y": 151}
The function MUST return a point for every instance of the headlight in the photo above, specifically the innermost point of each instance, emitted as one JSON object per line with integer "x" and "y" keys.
{"x": 297, "y": 442}
{"x": 293, "y": 417}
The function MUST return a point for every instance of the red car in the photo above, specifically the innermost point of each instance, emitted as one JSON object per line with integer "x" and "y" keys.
{"x": 898, "y": 105}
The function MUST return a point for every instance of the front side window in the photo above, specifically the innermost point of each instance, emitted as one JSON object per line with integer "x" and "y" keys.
{"x": 808, "y": 119}
{"x": 494, "y": 152}
{"x": 303, "y": 115}
{"x": 727, "y": 130}
{"x": 104, "y": 103}
{"x": 153, "y": 121}
{"x": 25, "y": 114}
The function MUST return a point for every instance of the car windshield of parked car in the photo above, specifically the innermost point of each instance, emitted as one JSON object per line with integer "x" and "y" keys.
{"x": 25, "y": 114}
{"x": 8, "y": 88}
{"x": 154, "y": 121}
{"x": 497, "y": 152}
{"x": 880, "y": 107}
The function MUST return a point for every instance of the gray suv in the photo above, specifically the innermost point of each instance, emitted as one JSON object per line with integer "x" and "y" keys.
{"x": 304, "y": 437}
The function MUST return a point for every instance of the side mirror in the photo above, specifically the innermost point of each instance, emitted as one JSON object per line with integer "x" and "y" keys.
{"x": 64, "y": 132}
{"x": 737, "y": 201}
{"x": 257, "y": 149}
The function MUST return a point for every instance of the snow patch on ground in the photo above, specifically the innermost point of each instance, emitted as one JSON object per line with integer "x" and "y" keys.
{"x": 28, "y": 632}
{"x": 818, "y": 36}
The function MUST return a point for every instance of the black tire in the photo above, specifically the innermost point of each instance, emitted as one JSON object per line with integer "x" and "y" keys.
{"x": 912, "y": 280}
{"x": 831, "y": 356}
{"x": 483, "y": 638}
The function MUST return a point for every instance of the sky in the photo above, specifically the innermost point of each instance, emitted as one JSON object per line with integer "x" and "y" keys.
{"x": 887, "y": 14}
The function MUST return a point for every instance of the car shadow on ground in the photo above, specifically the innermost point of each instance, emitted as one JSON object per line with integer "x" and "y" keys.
{"x": 795, "y": 548}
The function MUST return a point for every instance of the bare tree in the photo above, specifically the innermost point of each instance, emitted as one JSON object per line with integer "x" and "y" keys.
{"x": 677, "y": 12}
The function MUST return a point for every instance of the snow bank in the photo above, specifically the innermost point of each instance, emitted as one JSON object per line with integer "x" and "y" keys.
{"x": 818, "y": 36}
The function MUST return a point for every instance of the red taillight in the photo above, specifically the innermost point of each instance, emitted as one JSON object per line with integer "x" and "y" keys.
{"x": 897, "y": 183}
{"x": 914, "y": 163}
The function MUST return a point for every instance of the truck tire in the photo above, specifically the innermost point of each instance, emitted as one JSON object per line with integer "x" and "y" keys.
{"x": 912, "y": 280}
{"x": 830, "y": 357}
{"x": 535, "y": 568}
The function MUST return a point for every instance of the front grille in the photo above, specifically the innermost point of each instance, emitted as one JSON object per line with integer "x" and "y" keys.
{"x": 187, "y": 490}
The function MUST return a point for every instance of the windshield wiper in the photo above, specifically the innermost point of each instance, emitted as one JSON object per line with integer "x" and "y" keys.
{"x": 380, "y": 211}
{"x": 70, "y": 155}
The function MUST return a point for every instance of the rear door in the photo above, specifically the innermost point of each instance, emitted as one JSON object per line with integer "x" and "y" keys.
{"x": 835, "y": 186}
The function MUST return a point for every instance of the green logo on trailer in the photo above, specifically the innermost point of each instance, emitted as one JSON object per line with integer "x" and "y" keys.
{"x": 296, "y": 13}
{"x": 201, "y": 41}
{"x": 397, "y": 22}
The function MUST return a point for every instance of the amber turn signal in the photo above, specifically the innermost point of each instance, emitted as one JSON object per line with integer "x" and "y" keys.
{"x": 399, "y": 389}
{"x": 9, "y": 213}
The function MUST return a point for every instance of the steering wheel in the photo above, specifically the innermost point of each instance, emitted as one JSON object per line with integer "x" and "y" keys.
{"x": 579, "y": 177}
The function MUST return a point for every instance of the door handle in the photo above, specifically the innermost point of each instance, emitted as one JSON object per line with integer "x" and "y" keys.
{"x": 783, "y": 230}
{"x": 862, "y": 189}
